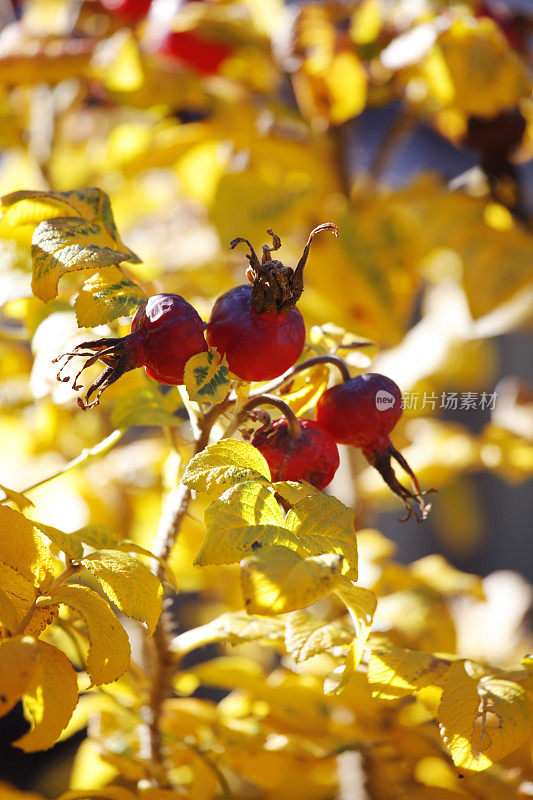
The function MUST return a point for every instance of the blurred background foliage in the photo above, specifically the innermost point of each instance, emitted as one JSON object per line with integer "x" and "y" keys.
{"x": 409, "y": 123}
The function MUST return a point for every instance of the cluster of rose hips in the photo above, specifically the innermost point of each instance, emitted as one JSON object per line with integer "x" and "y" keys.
{"x": 259, "y": 330}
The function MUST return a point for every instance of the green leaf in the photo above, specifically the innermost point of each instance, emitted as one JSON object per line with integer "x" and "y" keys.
{"x": 277, "y": 580}
{"x": 225, "y": 464}
{"x": 106, "y": 295}
{"x": 324, "y": 525}
{"x": 129, "y": 584}
{"x": 206, "y": 377}
{"x": 146, "y": 405}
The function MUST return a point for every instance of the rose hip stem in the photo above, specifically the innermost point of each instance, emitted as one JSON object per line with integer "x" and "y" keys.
{"x": 277, "y": 383}
{"x": 266, "y": 400}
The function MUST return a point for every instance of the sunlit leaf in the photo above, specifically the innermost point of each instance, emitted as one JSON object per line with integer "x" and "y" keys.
{"x": 22, "y": 547}
{"x": 277, "y": 580}
{"x": 97, "y": 536}
{"x": 306, "y": 636}
{"x": 395, "y": 672}
{"x": 19, "y": 658}
{"x": 224, "y": 464}
{"x": 361, "y": 604}
{"x": 325, "y": 525}
{"x": 66, "y": 542}
{"x": 129, "y": 584}
{"x": 109, "y": 648}
{"x": 49, "y": 699}
{"x": 8, "y": 612}
{"x": 20, "y": 500}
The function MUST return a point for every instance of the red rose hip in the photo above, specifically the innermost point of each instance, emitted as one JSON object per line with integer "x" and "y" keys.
{"x": 362, "y": 412}
{"x": 312, "y": 456}
{"x": 166, "y": 331}
{"x": 257, "y": 327}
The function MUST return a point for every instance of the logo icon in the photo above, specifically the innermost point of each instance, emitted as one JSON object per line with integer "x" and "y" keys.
{"x": 384, "y": 400}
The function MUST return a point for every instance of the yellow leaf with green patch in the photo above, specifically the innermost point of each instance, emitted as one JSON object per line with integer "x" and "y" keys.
{"x": 145, "y": 405}
{"x": 20, "y": 500}
{"x": 22, "y": 547}
{"x": 49, "y": 699}
{"x": 19, "y": 657}
{"x": 325, "y": 525}
{"x": 109, "y": 649}
{"x": 361, "y": 604}
{"x": 106, "y": 295}
{"x": 68, "y": 543}
{"x": 82, "y": 236}
{"x": 8, "y": 612}
{"x": 207, "y": 377}
{"x": 306, "y": 636}
{"x": 397, "y": 672}
{"x": 129, "y": 584}
{"x": 224, "y": 464}
{"x": 278, "y": 580}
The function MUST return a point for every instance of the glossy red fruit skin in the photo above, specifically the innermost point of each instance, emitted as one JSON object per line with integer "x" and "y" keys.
{"x": 258, "y": 347}
{"x": 312, "y": 457}
{"x": 166, "y": 331}
{"x": 361, "y": 411}
{"x": 202, "y": 55}
{"x": 130, "y": 9}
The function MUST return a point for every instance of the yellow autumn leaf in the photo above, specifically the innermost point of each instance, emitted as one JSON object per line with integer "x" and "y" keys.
{"x": 361, "y": 604}
{"x": 294, "y": 491}
{"x": 439, "y": 574}
{"x": 85, "y": 239}
{"x": 109, "y": 793}
{"x": 306, "y": 636}
{"x": 129, "y": 584}
{"x": 304, "y": 391}
{"x": 19, "y": 590}
{"x": 49, "y": 699}
{"x": 20, "y": 500}
{"x": 22, "y": 547}
{"x": 8, "y": 612}
{"x": 244, "y": 518}
{"x": 481, "y": 721}
{"x": 109, "y": 648}
{"x": 97, "y": 535}
{"x": 334, "y": 92}
{"x": 323, "y": 524}
{"x": 396, "y": 672}
{"x": 278, "y": 580}
{"x": 145, "y": 405}
{"x": 67, "y": 542}
{"x": 106, "y": 295}
{"x": 224, "y": 464}
{"x": 19, "y": 658}
{"x": 232, "y": 628}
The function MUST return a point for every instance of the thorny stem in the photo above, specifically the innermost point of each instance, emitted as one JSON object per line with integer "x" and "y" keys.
{"x": 86, "y": 454}
{"x": 266, "y": 400}
{"x": 158, "y": 649}
{"x": 287, "y": 376}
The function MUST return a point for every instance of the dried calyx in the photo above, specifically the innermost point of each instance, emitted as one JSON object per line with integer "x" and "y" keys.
{"x": 117, "y": 354}
{"x": 414, "y": 502}
{"x": 277, "y": 288}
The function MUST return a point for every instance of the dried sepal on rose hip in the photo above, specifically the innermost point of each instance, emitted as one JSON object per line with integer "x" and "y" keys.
{"x": 258, "y": 327}
{"x": 361, "y": 412}
{"x": 165, "y": 332}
